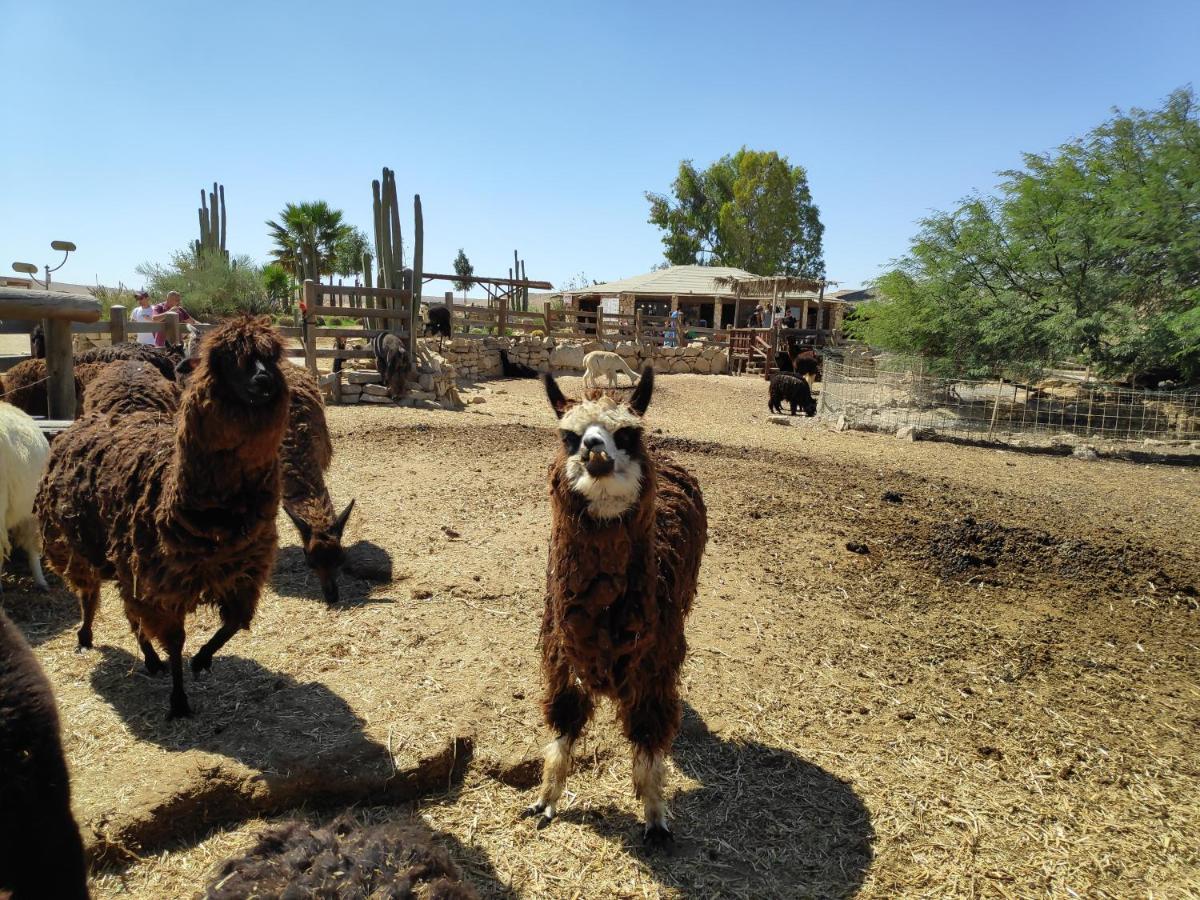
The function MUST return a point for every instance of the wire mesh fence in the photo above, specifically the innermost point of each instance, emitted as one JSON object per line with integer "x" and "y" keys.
{"x": 887, "y": 392}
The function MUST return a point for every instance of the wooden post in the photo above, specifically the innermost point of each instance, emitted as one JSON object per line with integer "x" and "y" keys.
{"x": 117, "y": 326}
{"x": 418, "y": 274}
{"x": 737, "y": 312}
{"x": 804, "y": 314}
{"x": 637, "y": 324}
{"x": 996, "y": 405}
{"x": 310, "y": 339}
{"x": 502, "y": 317}
{"x": 717, "y": 310}
{"x": 171, "y": 328}
{"x": 60, "y": 368}
{"x": 600, "y": 320}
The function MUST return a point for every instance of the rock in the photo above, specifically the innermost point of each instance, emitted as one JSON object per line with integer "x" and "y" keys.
{"x": 374, "y": 398}
{"x": 842, "y": 424}
{"x": 478, "y": 399}
{"x": 327, "y": 379}
{"x": 1085, "y": 452}
{"x": 426, "y": 382}
{"x": 906, "y": 432}
{"x": 780, "y": 420}
{"x": 374, "y": 390}
{"x": 363, "y": 378}
{"x": 566, "y": 357}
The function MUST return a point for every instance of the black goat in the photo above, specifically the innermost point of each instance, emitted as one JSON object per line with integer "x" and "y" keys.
{"x": 795, "y": 390}
{"x": 392, "y": 362}
{"x": 515, "y": 369}
{"x": 438, "y": 321}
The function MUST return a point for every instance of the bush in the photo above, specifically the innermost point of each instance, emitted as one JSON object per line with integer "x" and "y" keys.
{"x": 210, "y": 285}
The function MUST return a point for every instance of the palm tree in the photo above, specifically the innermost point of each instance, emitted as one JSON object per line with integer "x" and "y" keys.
{"x": 306, "y": 240}
{"x": 348, "y": 255}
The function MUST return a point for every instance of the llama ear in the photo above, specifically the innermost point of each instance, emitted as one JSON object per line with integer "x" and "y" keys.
{"x": 339, "y": 524}
{"x": 185, "y": 367}
{"x": 301, "y": 526}
{"x": 641, "y": 394}
{"x": 558, "y": 400}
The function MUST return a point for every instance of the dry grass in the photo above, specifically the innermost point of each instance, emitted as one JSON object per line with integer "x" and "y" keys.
{"x": 1006, "y": 706}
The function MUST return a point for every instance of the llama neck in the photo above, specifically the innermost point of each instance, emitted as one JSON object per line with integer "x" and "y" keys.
{"x": 604, "y": 546}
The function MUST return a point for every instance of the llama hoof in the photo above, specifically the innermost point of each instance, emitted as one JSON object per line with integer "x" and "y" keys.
{"x": 658, "y": 837}
{"x": 201, "y": 664}
{"x": 544, "y": 812}
{"x": 180, "y": 709}
{"x": 155, "y": 667}
{"x": 85, "y": 639}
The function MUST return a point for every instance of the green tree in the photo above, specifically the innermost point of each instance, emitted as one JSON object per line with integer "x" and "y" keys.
{"x": 306, "y": 238}
{"x": 464, "y": 270}
{"x": 752, "y": 210}
{"x": 278, "y": 285}
{"x": 210, "y": 284}
{"x": 1091, "y": 251}
{"x": 348, "y": 252}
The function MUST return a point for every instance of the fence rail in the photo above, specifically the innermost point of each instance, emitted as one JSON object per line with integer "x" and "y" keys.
{"x": 885, "y": 394}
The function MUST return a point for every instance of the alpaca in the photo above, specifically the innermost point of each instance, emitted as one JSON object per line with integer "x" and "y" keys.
{"x": 342, "y": 860}
{"x": 628, "y": 530}
{"x": 305, "y": 455}
{"x": 392, "y": 362}
{"x": 131, "y": 386}
{"x": 23, "y": 453}
{"x": 25, "y": 385}
{"x": 794, "y": 389}
{"x": 162, "y": 358}
{"x": 41, "y": 853}
{"x": 194, "y": 520}
{"x": 438, "y": 322}
{"x": 602, "y": 362}
{"x": 512, "y": 369}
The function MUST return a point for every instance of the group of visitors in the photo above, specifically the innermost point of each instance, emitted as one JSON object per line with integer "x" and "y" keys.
{"x": 761, "y": 317}
{"x": 157, "y": 313}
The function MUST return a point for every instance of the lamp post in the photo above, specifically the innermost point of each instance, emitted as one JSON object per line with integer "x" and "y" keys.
{"x": 31, "y": 270}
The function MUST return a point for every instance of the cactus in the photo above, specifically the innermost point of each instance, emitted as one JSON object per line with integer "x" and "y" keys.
{"x": 212, "y": 222}
{"x": 389, "y": 247}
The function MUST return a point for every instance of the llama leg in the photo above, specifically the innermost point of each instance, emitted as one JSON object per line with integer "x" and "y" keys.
{"x": 202, "y": 661}
{"x": 567, "y": 708}
{"x": 89, "y": 599}
{"x": 173, "y": 637}
{"x": 28, "y": 539}
{"x": 154, "y": 663}
{"x": 650, "y": 723}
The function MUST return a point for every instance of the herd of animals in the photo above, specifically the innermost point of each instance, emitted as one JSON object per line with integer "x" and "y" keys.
{"x": 169, "y": 483}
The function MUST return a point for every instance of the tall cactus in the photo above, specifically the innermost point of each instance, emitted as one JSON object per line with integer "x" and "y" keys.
{"x": 212, "y": 222}
{"x": 389, "y": 246}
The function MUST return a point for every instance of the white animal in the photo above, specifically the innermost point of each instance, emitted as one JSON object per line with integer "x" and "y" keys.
{"x": 603, "y": 362}
{"x": 23, "y": 453}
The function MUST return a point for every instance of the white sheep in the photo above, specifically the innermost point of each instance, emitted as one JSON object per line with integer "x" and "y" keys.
{"x": 604, "y": 362}
{"x": 23, "y": 453}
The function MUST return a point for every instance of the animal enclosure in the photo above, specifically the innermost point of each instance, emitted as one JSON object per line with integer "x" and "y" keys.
{"x": 886, "y": 393}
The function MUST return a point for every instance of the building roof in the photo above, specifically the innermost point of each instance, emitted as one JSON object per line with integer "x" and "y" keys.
{"x": 682, "y": 281}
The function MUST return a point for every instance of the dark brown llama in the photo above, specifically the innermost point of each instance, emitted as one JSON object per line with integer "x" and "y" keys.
{"x": 194, "y": 520}
{"x": 25, "y": 385}
{"x": 162, "y": 358}
{"x": 628, "y": 530}
{"x": 305, "y": 455}
{"x": 131, "y": 386}
{"x": 41, "y": 854}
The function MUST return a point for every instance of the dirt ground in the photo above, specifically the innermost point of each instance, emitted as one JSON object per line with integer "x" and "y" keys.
{"x": 995, "y": 693}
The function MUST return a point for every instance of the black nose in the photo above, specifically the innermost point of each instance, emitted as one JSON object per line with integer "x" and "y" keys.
{"x": 593, "y": 441}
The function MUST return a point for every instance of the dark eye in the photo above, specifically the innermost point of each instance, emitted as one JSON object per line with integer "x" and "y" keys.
{"x": 570, "y": 441}
{"x": 627, "y": 438}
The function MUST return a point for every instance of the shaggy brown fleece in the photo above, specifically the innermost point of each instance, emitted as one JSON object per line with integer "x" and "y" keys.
{"x": 306, "y": 453}
{"x": 162, "y": 358}
{"x": 179, "y": 512}
{"x": 342, "y": 861}
{"x": 131, "y": 386}
{"x": 25, "y": 385}
{"x": 41, "y": 854}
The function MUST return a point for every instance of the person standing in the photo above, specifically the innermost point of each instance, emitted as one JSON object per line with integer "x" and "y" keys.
{"x": 170, "y": 304}
{"x": 143, "y": 313}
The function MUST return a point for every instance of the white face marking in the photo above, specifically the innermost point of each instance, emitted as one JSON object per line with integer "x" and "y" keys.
{"x": 608, "y": 496}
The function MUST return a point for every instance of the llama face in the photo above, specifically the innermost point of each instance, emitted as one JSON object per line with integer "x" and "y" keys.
{"x": 246, "y": 367}
{"x": 602, "y": 443}
{"x": 323, "y": 550}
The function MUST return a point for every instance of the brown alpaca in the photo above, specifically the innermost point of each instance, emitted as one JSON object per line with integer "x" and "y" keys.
{"x": 131, "y": 386}
{"x": 162, "y": 358}
{"x": 25, "y": 385}
{"x": 41, "y": 854}
{"x": 628, "y": 530}
{"x": 178, "y": 511}
{"x": 305, "y": 455}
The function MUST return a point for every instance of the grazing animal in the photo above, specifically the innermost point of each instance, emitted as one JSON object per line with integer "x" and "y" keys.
{"x": 23, "y": 454}
{"x": 604, "y": 362}
{"x": 438, "y": 322}
{"x": 41, "y": 854}
{"x": 392, "y": 362}
{"x": 628, "y": 530}
{"x": 37, "y": 342}
{"x": 795, "y": 390}
{"x": 178, "y": 511}
{"x": 512, "y": 369}
{"x": 305, "y": 455}
{"x": 343, "y": 861}
{"x": 162, "y": 358}
{"x": 131, "y": 386}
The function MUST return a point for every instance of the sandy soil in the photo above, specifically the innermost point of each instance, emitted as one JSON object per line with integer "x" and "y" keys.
{"x": 996, "y": 696}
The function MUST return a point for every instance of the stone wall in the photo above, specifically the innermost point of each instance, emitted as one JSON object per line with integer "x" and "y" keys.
{"x": 433, "y": 385}
{"x": 481, "y": 358}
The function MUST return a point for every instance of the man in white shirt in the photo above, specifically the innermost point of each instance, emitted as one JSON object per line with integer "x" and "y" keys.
{"x": 143, "y": 313}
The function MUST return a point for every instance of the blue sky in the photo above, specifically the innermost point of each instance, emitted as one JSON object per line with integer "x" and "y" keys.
{"x": 538, "y": 126}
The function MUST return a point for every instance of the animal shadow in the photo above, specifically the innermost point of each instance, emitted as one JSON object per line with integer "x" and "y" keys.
{"x": 764, "y": 822}
{"x": 41, "y": 615}
{"x": 366, "y": 563}
{"x": 264, "y": 719}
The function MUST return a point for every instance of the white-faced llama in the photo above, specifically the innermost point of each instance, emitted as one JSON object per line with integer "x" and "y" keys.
{"x": 628, "y": 531}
